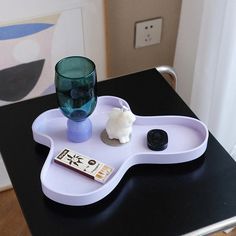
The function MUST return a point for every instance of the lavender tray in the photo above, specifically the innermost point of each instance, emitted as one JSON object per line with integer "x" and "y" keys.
{"x": 187, "y": 140}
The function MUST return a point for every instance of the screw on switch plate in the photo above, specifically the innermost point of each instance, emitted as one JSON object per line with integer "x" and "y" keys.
{"x": 148, "y": 32}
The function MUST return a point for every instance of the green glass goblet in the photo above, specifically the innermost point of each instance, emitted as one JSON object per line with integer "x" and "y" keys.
{"x": 76, "y": 90}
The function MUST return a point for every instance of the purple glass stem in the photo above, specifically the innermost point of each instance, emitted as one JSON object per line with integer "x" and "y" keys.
{"x": 79, "y": 131}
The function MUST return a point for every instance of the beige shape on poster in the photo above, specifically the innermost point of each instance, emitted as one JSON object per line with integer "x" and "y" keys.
{"x": 26, "y": 51}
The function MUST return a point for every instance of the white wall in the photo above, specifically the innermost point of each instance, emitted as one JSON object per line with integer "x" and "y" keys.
{"x": 5, "y": 182}
{"x": 186, "y": 47}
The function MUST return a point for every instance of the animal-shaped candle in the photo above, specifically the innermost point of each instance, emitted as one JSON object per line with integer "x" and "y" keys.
{"x": 119, "y": 124}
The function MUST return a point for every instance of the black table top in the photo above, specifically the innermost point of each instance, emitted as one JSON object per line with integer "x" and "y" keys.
{"x": 149, "y": 200}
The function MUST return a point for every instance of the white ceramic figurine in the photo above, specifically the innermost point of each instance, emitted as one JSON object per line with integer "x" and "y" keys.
{"x": 119, "y": 124}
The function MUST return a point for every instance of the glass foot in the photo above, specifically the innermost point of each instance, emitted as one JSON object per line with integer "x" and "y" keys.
{"x": 79, "y": 131}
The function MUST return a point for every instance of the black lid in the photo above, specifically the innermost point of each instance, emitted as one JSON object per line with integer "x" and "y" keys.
{"x": 157, "y": 139}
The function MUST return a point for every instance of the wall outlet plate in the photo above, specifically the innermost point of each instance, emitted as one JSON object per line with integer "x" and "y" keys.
{"x": 148, "y": 32}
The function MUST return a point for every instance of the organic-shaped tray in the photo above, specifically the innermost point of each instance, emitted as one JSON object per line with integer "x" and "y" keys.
{"x": 187, "y": 140}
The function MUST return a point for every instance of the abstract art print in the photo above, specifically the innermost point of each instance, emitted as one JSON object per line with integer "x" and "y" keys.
{"x": 29, "y": 50}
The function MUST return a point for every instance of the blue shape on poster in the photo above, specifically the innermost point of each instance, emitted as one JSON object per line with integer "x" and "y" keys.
{"x": 21, "y": 30}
